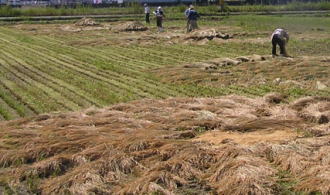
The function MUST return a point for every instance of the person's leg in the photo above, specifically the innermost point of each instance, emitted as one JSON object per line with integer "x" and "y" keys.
{"x": 161, "y": 25}
{"x": 274, "y": 43}
{"x": 158, "y": 20}
{"x": 188, "y": 25}
{"x": 282, "y": 48}
{"x": 147, "y": 18}
{"x": 194, "y": 24}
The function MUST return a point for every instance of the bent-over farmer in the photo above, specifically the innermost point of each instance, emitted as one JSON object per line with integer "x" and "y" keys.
{"x": 280, "y": 37}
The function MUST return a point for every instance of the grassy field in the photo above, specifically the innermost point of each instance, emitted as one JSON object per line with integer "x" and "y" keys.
{"x": 45, "y": 68}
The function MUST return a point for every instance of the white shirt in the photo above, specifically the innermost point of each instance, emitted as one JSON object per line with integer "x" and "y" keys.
{"x": 281, "y": 33}
{"x": 147, "y": 10}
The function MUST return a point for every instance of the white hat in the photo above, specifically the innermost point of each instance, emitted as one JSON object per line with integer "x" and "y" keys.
{"x": 159, "y": 7}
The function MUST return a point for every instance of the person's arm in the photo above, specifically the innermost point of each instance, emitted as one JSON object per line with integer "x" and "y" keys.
{"x": 186, "y": 13}
{"x": 287, "y": 37}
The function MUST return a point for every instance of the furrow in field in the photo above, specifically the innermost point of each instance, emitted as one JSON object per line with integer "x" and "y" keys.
{"x": 130, "y": 54}
{"x": 175, "y": 91}
{"x": 138, "y": 81}
{"x": 140, "y": 84}
{"x": 113, "y": 54}
{"x": 59, "y": 75}
{"x": 84, "y": 72}
{"x": 97, "y": 76}
{"x": 21, "y": 94}
{"x": 57, "y": 98}
{"x": 14, "y": 103}
{"x": 59, "y": 94}
{"x": 134, "y": 55}
{"x": 239, "y": 90}
{"x": 6, "y": 112}
{"x": 140, "y": 75}
{"x": 182, "y": 55}
{"x": 2, "y": 115}
{"x": 65, "y": 89}
{"x": 91, "y": 86}
{"x": 150, "y": 59}
{"x": 109, "y": 56}
{"x": 197, "y": 51}
{"x": 87, "y": 85}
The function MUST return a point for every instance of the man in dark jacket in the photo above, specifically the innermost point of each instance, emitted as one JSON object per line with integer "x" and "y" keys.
{"x": 192, "y": 19}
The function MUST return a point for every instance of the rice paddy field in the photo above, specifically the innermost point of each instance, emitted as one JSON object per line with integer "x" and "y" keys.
{"x": 62, "y": 67}
{"x": 99, "y": 107}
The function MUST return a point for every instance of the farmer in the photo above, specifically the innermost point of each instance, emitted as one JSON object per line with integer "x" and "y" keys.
{"x": 192, "y": 17}
{"x": 186, "y": 13}
{"x": 222, "y": 5}
{"x": 159, "y": 18}
{"x": 147, "y": 12}
{"x": 280, "y": 37}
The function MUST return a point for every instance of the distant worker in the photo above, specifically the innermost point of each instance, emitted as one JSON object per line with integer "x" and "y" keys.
{"x": 192, "y": 17}
{"x": 186, "y": 13}
{"x": 147, "y": 12}
{"x": 222, "y": 5}
{"x": 280, "y": 37}
{"x": 159, "y": 18}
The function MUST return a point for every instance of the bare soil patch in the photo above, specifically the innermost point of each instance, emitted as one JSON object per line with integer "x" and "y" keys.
{"x": 151, "y": 146}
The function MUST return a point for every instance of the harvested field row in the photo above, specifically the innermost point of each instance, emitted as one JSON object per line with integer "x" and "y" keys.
{"x": 44, "y": 80}
{"x": 22, "y": 75}
{"x": 96, "y": 67}
{"x": 6, "y": 111}
{"x": 57, "y": 85}
{"x": 85, "y": 72}
{"x": 166, "y": 91}
{"x": 172, "y": 146}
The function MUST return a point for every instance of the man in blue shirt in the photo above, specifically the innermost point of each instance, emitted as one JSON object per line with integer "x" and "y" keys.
{"x": 192, "y": 19}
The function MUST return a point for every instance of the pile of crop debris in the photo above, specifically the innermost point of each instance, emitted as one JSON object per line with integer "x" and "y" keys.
{"x": 152, "y": 146}
{"x": 86, "y": 22}
{"x": 305, "y": 72}
{"x": 130, "y": 26}
{"x": 208, "y": 34}
{"x": 222, "y": 62}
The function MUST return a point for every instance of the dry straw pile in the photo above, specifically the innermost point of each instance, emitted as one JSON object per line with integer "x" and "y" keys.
{"x": 86, "y": 22}
{"x": 148, "y": 146}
